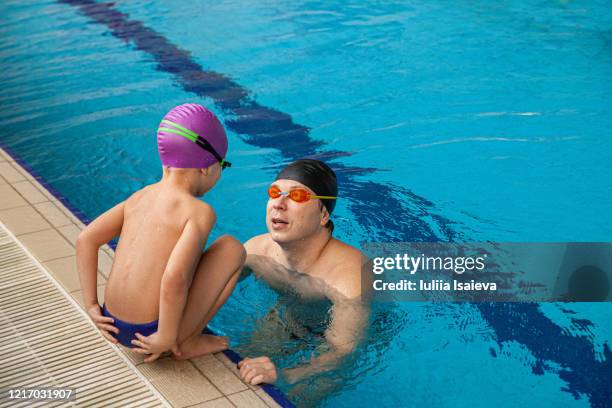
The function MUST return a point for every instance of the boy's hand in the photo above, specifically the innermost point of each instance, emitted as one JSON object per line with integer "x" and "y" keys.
{"x": 103, "y": 323}
{"x": 154, "y": 345}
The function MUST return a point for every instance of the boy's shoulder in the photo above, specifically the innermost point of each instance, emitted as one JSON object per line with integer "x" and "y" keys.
{"x": 143, "y": 191}
{"x": 201, "y": 213}
{"x": 138, "y": 195}
{"x": 202, "y": 209}
{"x": 185, "y": 207}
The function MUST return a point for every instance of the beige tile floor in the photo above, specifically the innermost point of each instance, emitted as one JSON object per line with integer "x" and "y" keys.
{"x": 49, "y": 230}
{"x": 47, "y": 341}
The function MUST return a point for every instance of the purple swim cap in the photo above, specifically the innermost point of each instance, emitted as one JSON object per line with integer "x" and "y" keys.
{"x": 177, "y": 134}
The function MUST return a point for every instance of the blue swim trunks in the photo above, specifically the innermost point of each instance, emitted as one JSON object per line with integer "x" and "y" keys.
{"x": 127, "y": 330}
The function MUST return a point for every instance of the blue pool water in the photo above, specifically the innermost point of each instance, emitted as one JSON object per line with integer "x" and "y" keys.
{"x": 477, "y": 121}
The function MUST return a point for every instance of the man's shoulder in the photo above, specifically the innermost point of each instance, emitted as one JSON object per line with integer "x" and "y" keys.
{"x": 347, "y": 255}
{"x": 258, "y": 245}
{"x": 347, "y": 262}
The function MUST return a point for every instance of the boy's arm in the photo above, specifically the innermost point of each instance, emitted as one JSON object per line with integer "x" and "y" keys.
{"x": 179, "y": 274}
{"x": 100, "y": 231}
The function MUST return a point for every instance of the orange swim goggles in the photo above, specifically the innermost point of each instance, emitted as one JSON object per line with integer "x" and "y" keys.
{"x": 299, "y": 195}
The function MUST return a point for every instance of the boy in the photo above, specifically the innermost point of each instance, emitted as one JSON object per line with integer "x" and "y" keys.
{"x": 162, "y": 290}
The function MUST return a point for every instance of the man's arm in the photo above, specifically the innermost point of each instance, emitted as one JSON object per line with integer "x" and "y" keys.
{"x": 349, "y": 319}
{"x": 348, "y": 322}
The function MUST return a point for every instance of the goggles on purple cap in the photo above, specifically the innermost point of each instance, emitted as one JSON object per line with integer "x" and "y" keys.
{"x": 179, "y": 130}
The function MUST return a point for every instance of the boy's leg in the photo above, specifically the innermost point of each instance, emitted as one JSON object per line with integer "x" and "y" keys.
{"x": 214, "y": 279}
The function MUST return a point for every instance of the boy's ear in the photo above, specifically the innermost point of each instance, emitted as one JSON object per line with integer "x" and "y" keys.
{"x": 204, "y": 171}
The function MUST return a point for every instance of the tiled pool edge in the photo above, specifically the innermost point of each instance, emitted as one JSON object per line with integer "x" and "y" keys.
{"x": 70, "y": 299}
{"x": 270, "y": 391}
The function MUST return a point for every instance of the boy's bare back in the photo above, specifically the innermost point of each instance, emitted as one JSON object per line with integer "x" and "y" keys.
{"x": 164, "y": 288}
{"x": 154, "y": 219}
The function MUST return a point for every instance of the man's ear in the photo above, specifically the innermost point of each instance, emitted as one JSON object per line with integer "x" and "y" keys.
{"x": 324, "y": 215}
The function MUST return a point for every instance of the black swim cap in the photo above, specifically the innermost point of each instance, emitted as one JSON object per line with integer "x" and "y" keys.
{"x": 316, "y": 175}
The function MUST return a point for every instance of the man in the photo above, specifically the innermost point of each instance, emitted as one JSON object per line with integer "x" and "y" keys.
{"x": 300, "y": 256}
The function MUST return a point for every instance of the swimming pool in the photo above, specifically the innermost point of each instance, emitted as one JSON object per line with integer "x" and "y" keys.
{"x": 445, "y": 122}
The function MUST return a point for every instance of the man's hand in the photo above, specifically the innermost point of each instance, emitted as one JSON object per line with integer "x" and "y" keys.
{"x": 257, "y": 370}
{"x": 103, "y": 323}
{"x": 154, "y": 345}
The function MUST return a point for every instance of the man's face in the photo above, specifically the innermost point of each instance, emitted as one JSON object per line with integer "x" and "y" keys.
{"x": 289, "y": 221}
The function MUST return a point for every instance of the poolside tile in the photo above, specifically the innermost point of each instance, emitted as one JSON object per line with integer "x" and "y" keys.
{"x": 75, "y": 220}
{"x": 65, "y": 271}
{"x": 2, "y": 180}
{"x": 5, "y": 155}
{"x": 44, "y": 191}
{"x": 78, "y": 296}
{"x": 10, "y": 173}
{"x": 247, "y": 399}
{"x": 233, "y": 368}
{"x": 53, "y": 214}
{"x": 134, "y": 357}
{"x": 217, "y": 403}
{"x": 10, "y": 198}
{"x": 179, "y": 381}
{"x": 22, "y": 220}
{"x": 108, "y": 250}
{"x": 105, "y": 263}
{"x": 110, "y": 253}
{"x": 50, "y": 347}
{"x": 266, "y": 398}
{"x": 23, "y": 171}
{"x": 47, "y": 245}
{"x": 71, "y": 232}
{"x": 70, "y": 215}
{"x": 29, "y": 192}
{"x": 40, "y": 188}
{"x": 219, "y": 374}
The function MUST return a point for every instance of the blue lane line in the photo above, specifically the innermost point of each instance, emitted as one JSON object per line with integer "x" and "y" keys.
{"x": 574, "y": 355}
{"x": 271, "y": 390}
{"x": 403, "y": 212}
